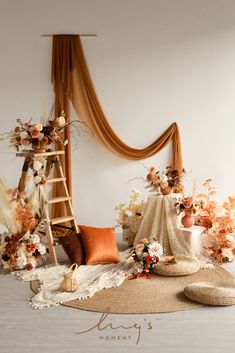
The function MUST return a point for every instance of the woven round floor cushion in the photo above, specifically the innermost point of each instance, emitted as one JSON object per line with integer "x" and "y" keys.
{"x": 177, "y": 266}
{"x": 207, "y": 293}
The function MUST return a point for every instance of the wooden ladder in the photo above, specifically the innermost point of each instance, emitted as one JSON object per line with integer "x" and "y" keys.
{"x": 52, "y": 159}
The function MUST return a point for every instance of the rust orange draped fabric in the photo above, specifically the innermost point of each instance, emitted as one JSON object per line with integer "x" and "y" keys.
{"x": 72, "y": 81}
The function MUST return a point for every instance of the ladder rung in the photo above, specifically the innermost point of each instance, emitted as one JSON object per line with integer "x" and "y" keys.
{"x": 55, "y": 180}
{"x": 62, "y": 219}
{"x": 59, "y": 199}
{"x": 31, "y": 152}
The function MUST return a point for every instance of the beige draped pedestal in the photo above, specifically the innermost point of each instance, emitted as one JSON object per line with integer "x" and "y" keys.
{"x": 161, "y": 222}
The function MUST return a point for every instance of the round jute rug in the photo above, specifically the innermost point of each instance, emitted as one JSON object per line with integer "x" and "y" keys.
{"x": 156, "y": 295}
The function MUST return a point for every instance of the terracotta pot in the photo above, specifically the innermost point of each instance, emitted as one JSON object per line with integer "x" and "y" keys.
{"x": 188, "y": 220}
{"x": 178, "y": 189}
{"x": 41, "y": 148}
{"x": 167, "y": 191}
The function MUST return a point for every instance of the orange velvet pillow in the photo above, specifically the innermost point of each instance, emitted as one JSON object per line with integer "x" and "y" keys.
{"x": 100, "y": 245}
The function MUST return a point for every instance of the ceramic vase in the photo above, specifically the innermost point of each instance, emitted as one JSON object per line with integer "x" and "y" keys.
{"x": 188, "y": 220}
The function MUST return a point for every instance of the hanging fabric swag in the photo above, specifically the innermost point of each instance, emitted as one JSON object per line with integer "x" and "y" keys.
{"x": 72, "y": 81}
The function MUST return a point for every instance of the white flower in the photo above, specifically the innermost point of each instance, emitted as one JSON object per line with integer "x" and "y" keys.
{"x": 32, "y": 260}
{"x": 41, "y": 248}
{"x": 34, "y": 239}
{"x": 155, "y": 249}
{"x": 229, "y": 237}
{"x": 37, "y": 179}
{"x": 5, "y": 265}
{"x": 61, "y": 121}
{"x": 21, "y": 260}
{"x": 37, "y": 165}
{"x": 227, "y": 252}
{"x": 24, "y": 134}
{"x": 38, "y": 126}
{"x": 163, "y": 177}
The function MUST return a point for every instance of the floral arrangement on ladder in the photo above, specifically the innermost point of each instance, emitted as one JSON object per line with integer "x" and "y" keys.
{"x": 37, "y": 136}
{"x": 28, "y": 136}
{"x": 23, "y": 245}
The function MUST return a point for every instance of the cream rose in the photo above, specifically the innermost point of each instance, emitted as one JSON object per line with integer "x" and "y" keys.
{"x": 37, "y": 165}
{"x": 24, "y": 135}
{"x": 61, "y": 121}
{"x": 37, "y": 179}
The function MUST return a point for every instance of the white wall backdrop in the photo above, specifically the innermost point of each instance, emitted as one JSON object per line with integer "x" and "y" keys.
{"x": 154, "y": 62}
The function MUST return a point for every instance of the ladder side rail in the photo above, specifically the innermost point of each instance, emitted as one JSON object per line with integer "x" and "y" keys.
{"x": 68, "y": 203}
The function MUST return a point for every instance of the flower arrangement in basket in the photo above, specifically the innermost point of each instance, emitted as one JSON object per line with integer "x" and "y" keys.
{"x": 21, "y": 246}
{"x": 146, "y": 255}
{"x": 130, "y": 216}
{"x": 169, "y": 181}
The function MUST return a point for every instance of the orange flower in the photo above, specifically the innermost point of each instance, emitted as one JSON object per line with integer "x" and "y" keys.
{"x": 55, "y": 136}
{"x": 232, "y": 201}
{"x": 23, "y": 195}
{"x": 44, "y": 140}
{"x": 153, "y": 169}
{"x": 31, "y": 248}
{"x": 35, "y": 132}
{"x": 149, "y": 177}
{"x": 206, "y": 222}
{"x": 29, "y": 267}
{"x": 25, "y": 217}
{"x": 226, "y": 206}
{"x": 144, "y": 241}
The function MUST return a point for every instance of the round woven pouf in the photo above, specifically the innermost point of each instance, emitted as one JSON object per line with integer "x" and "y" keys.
{"x": 183, "y": 266}
{"x": 210, "y": 294}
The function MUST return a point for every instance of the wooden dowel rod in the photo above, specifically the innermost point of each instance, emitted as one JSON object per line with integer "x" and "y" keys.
{"x": 80, "y": 35}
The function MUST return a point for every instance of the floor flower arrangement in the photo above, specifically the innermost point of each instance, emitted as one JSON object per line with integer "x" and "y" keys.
{"x": 21, "y": 246}
{"x": 146, "y": 255}
{"x": 219, "y": 221}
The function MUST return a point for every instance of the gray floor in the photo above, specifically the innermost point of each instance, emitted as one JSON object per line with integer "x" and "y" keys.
{"x": 24, "y": 330}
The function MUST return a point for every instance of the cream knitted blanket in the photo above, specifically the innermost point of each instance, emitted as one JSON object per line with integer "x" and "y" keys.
{"x": 91, "y": 278}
